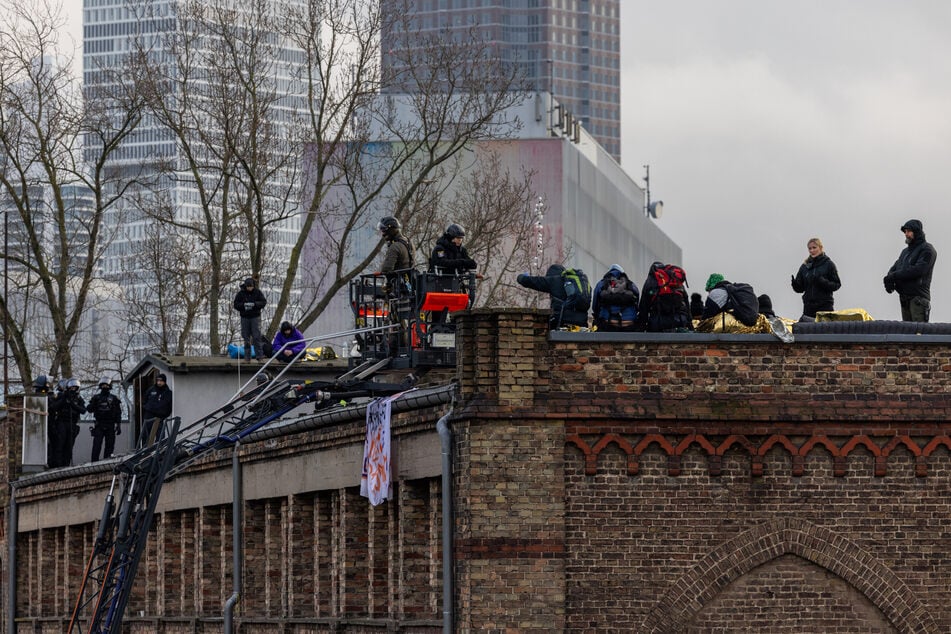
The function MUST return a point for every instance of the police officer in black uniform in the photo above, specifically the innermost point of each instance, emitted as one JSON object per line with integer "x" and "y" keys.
{"x": 107, "y": 410}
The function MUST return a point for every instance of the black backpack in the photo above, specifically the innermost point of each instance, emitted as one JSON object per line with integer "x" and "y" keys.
{"x": 743, "y": 303}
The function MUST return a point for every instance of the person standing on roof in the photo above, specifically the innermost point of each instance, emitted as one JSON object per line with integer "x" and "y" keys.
{"x": 449, "y": 257}
{"x": 248, "y": 302}
{"x": 156, "y": 407}
{"x": 910, "y": 275}
{"x": 107, "y": 410}
{"x": 65, "y": 410}
{"x": 817, "y": 279}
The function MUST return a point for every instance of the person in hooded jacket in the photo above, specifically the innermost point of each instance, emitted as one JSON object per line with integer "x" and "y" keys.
{"x": 248, "y": 302}
{"x": 614, "y": 302}
{"x": 156, "y": 407}
{"x": 718, "y": 298}
{"x": 107, "y": 410}
{"x": 288, "y": 342}
{"x": 553, "y": 284}
{"x": 817, "y": 279}
{"x": 449, "y": 257}
{"x": 910, "y": 275}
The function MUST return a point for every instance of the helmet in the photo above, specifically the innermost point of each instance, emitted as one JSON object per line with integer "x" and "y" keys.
{"x": 455, "y": 231}
{"x": 388, "y": 225}
{"x": 42, "y": 382}
{"x": 105, "y": 381}
{"x": 73, "y": 382}
{"x": 61, "y": 384}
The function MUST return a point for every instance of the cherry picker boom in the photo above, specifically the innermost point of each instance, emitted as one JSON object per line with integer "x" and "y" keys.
{"x": 137, "y": 481}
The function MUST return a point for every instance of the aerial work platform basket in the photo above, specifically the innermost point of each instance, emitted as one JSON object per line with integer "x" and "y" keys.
{"x": 414, "y": 312}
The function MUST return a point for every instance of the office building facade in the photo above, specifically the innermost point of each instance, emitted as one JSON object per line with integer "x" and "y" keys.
{"x": 569, "y": 48}
{"x": 154, "y": 155}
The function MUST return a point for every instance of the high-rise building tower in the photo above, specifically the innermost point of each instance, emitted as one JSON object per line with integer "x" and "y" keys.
{"x": 570, "y": 48}
{"x": 163, "y": 218}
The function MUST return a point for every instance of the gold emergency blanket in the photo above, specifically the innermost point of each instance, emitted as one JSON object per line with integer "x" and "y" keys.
{"x": 727, "y": 323}
{"x": 847, "y": 314}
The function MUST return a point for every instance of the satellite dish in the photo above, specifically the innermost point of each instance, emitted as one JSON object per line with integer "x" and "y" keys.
{"x": 656, "y": 209}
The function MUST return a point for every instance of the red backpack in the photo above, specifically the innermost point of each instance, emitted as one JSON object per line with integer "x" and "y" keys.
{"x": 670, "y": 279}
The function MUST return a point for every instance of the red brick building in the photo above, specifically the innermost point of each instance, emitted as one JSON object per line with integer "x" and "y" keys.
{"x": 600, "y": 482}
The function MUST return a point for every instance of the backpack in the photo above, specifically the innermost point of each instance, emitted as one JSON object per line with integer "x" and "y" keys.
{"x": 668, "y": 308}
{"x": 743, "y": 302}
{"x": 618, "y": 291}
{"x": 670, "y": 279}
{"x": 577, "y": 290}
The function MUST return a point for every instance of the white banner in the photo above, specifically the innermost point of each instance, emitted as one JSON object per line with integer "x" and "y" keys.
{"x": 375, "y": 481}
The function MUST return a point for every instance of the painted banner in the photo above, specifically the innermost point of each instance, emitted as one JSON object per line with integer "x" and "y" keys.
{"x": 375, "y": 481}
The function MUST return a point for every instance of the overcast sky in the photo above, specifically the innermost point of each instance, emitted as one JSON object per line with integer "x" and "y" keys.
{"x": 766, "y": 123}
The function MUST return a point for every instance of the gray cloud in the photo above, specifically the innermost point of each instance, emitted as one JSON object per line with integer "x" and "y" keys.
{"x": 768, "y": 123}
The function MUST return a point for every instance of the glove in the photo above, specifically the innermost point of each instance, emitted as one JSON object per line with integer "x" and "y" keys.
{"x": 118, "y": 430}
{"x": 889, "y": 284}
{"x": 249, "y": 305}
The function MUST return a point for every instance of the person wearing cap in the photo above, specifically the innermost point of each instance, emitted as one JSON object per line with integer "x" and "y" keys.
{"x": 717, "y": 296}
{"x": 614, "y": 302}
{"x": 910, "y": 275}
{"x": 248, "y": 302}
{"x": 107, "y": 410}
{"x": 156, "y": 407}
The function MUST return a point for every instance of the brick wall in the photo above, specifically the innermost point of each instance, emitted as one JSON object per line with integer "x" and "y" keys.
{"x": 701, "y": 483}
{"x": 602, "y": 482}
{"x": 316, "y": 558}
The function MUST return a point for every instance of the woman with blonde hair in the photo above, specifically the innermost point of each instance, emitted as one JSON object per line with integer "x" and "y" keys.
{"x": 817, "y": 280}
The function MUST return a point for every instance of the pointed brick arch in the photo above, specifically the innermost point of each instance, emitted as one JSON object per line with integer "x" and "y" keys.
{"x": 769, "y": 540}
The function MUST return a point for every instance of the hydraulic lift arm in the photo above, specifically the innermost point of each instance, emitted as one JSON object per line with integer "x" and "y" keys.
{"x": 130, "y": 504}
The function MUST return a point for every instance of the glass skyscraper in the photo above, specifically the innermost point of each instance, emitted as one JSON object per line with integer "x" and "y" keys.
{"x": 570, "y": 48}
{"x": 111, "y": 31}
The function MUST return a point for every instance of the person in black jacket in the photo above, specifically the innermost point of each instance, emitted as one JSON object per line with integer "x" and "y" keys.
{"x": 910, "y": 275}
{"x": 248, "y": 302}
{"x": 65, "y": 409}
{"x": 156, "y": 407}
{"x": 553, "y": 284}
{"x": 449, "y": 257}
{"x": 664, "y": 309}
{"x": 817, "y": 279}
{"x": 107, "y": 410}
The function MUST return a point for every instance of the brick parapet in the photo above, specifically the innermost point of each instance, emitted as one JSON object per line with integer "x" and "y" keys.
{"x": 707, "y": 482}
{"x": 681, "y": 484}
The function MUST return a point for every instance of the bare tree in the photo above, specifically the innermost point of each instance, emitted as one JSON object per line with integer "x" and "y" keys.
{"x": 57, "y": 196}
{"x": 224, "y": 83}
{"x": 501, "y": 215}
{"x": 213, "y": 82}
{"x": 375, "y": 152}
